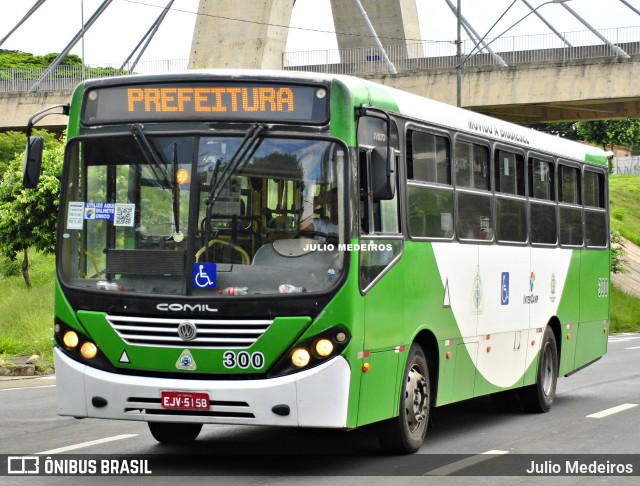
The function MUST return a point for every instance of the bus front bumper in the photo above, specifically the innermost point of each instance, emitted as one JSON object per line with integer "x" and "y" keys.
{"x": 317, "y": 397}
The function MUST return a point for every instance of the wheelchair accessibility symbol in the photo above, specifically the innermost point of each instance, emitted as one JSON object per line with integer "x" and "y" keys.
{"x": 204, "y": 275}
{"x": 504, "y": 289}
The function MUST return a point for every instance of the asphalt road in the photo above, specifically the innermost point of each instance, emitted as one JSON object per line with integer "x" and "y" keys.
{"x": 597, "y": 412}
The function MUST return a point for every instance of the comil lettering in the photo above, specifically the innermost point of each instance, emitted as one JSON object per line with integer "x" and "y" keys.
{"x": 223, "y": 99}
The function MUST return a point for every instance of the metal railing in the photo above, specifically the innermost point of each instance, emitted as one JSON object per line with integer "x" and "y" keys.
{"x": 418, "y": 56}
{"x": 427, "y": 55}
{"x": 67, "y": 77}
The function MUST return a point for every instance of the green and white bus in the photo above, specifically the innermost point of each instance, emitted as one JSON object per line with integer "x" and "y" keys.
{"x": 308, "y": 250}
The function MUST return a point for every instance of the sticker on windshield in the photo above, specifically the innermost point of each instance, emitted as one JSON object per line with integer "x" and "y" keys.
{"x": 75, "y": 215}
{"x": 204, "y": 275}
{"x": 99, "y": 211}
{"x": 124, "y": 214}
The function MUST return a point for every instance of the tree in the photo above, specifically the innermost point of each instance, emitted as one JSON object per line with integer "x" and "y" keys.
{"x": 12, "y": 144}
{"x": 610, "y": 132}
{"x": 28, "y": 217}
{"x": 566, "y": 130}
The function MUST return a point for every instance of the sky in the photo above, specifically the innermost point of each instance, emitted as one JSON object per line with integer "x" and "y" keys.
{"x": 112, "y": 38}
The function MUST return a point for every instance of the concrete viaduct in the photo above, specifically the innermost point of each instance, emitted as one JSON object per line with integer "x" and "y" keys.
{"x": 553, "y": 90}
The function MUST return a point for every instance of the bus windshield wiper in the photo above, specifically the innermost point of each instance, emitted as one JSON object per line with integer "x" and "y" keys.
{"x": 152, "y": 160}
{"x": 243, "y": 153}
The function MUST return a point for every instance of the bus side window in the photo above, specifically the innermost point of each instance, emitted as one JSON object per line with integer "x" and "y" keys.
{"x": 429, "y": 190}
{"x": 511, "y": 211}
{"x": 570, "y": 210}
{"x": 595, "y": 215}
{"x": 473, "y": 180}
{"x": 474, "y": 217}
{"x": 542, "y": 205}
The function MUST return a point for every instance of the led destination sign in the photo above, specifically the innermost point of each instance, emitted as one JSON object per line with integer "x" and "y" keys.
{"x": 206, "y": 101}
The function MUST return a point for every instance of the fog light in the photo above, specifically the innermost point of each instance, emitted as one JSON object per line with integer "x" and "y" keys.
{"x": 300, "y": 357}
{"x": 324, "y": 347}
{"x": 70, "y": 339}
{"x": 88, "y": 350}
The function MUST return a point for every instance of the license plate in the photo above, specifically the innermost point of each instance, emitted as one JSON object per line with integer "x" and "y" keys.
{"x": 184, "y": 400}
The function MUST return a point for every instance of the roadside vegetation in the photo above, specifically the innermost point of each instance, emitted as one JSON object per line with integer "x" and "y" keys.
{"x": 624, "y": 194}
{"x": 625, "y": 311}
{"x": 26, "y": 325}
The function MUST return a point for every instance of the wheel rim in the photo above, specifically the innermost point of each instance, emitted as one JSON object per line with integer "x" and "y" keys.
{"x": 416, "y": 399}
{"x": 547, "y": 369}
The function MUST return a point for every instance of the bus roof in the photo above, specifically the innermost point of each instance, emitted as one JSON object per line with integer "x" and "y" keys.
{"x": 402, "y": 102}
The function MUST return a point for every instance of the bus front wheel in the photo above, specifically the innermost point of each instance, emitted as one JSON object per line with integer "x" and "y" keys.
{"x": 405, "y": 433}
{"x": 539, "y": 397}
{"x": 174, "y": 433}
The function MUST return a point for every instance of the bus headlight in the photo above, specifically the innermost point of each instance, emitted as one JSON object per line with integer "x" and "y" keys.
{"x": 312, "y": 351}
{"x": 88, "y": 350}
{"x": 324, "y": 347}
{"x": 70, "y": 339}
{"x": 300, "y": 357}
{"x": 80, "y": 347}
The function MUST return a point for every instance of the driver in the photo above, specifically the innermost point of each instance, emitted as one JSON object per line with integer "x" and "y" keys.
{"x": 328, "y": 203}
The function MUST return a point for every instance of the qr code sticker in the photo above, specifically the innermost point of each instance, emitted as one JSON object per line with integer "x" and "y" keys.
{"x": 124, "y": 215}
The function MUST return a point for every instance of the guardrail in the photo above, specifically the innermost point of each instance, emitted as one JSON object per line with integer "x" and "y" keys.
{"x": 67, "y": 77}
{"x": 427, "y": 55}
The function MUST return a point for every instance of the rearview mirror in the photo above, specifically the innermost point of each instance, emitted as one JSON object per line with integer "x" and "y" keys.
{"x": 383, "y": 168}
{"x": 32, "y": 162}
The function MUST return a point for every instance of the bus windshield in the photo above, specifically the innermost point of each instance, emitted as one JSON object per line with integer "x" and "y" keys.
{"x": 203, "y": 215}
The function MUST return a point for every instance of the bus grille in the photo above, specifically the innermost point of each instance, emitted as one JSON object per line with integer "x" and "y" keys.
{"x": 209, "y": 333}
{"x": 217, "y": 409}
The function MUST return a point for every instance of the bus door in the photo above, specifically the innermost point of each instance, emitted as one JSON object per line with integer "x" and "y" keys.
{"x": 380, "y": 273}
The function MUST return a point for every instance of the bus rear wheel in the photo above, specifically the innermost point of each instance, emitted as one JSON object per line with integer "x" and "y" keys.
{"x": 174, "y": 433}
{"x": 405, "y": 433}
{"x": 539, "y": 397}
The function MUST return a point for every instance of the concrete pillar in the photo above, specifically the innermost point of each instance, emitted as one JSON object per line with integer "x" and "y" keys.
{"x": 393, "y": 20}
{"x": 255, "y": 42}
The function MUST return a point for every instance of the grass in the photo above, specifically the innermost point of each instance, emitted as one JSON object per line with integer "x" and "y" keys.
{"x": 624, "y": 194}
{"x": 26, "y": 326}
{"x": 625, "y": 311}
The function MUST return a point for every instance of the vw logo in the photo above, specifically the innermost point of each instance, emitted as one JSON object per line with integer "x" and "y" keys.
{"x": 187, "y": 331}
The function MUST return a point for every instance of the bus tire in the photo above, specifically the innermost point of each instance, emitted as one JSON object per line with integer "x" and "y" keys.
{"x": 539, "y": 397}
{"x": 405, "y": 433}
{"x": 174, "y": 433}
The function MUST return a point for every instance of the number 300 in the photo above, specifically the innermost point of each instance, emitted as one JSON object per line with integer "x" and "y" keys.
{"x": 243, "y": 360}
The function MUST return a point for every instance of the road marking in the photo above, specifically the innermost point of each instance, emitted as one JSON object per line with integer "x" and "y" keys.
{"x": 635, "y": 347}
{"x": 88, "y": 444}
{"x": 464, "y": 463}
{"x": 26, "y": 387}
{"x": 620, "y": 339}
{"x": 611, "y": 411}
